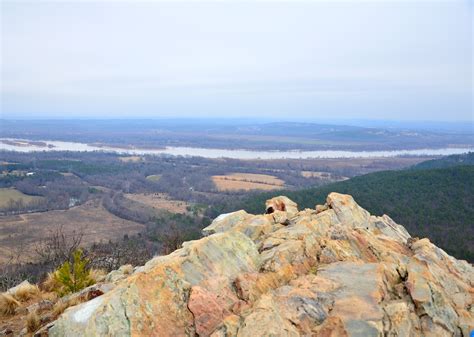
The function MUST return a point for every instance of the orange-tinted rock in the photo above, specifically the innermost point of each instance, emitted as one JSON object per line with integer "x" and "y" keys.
{"x": 208, "y": 310}
{"x": 334, "y": 271}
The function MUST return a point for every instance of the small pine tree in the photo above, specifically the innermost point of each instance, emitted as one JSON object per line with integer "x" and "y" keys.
{"x": 76, "y": 277}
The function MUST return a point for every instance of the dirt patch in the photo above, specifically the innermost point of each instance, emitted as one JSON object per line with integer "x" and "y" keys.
{"x": 247, "y": 181}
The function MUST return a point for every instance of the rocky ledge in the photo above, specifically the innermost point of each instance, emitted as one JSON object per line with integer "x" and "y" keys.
{"x": 334, "y": 270}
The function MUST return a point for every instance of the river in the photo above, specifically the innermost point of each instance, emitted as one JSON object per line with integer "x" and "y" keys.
{"x": 223, "y": 153}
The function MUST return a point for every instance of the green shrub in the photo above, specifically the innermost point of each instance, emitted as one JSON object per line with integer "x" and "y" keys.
{"x": 74, "y": 277}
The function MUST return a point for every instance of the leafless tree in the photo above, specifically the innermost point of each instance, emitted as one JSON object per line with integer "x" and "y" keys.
{"x": 171, "y": 239}
{"x": 59, "y": 245}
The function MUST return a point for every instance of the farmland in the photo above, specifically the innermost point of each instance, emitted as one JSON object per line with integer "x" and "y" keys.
{"x": 112, "y": 195}
{"x": 9, "y": 194}
{"x": 154, "y": 177}
{"x": 159, "y": 201}
{"x": 247, "y": 181}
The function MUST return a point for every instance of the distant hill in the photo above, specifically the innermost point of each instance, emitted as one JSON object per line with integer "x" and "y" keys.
{"x": 448, "y": 161}
{"x": 433, "y": 203}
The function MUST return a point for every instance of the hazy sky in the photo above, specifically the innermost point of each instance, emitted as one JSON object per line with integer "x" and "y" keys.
{"x": 396, "y": 60}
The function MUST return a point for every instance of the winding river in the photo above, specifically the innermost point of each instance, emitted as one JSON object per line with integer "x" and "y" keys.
{"x": 221, "y": 153}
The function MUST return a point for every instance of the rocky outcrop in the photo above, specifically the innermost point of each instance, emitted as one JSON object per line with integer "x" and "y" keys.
{"x": 332, "y": 271}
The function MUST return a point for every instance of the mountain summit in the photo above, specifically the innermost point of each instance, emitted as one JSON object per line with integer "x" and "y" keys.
{"x": 334, "y": 270}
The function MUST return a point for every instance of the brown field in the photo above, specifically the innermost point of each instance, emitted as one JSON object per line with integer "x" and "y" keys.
{"x": 247, "y": 181}
{"x": 7, "y": 194}
{"x": 23, "y": 232}
{"x": 154, "y": 177}
{"x": 159, "y": 201}
{"x": 131, "y": 159}
{"x": 68, "y": 174}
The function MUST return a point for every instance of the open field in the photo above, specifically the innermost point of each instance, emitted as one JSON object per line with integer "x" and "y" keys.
{"x": 159, "y": 201}
{"x": 7, "y": 194}
{"x": 131, "y": 159}
{"x": 154, "y": 177}
{"x": 247, "y": 181}
{"x": 23, "y": 232}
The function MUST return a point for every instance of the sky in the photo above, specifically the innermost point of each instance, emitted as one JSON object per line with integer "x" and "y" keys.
{"x": 394, "y": 60}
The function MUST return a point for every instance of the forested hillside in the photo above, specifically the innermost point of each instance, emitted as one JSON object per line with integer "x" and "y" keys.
{"x": 449, "y": 161}
{"x": 433, "y": 203}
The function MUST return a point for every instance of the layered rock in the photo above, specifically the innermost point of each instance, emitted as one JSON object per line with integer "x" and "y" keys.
{"x": 332, "y": 271}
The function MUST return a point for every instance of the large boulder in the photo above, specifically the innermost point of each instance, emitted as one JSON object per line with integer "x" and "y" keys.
{"x": 225, "y": 222}
{"x": 154, "y": 301}
{"x": 281, "y": 204}
{"x": 331, "y": 271}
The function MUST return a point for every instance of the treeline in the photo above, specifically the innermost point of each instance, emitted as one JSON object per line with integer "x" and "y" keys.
{"x": 448, "y": 161}
{"x": 434, "y": 203}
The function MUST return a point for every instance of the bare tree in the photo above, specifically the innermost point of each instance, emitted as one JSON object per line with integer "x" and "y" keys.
{"x": 58, "y": 246}
{"x": 11, "y": 270}
{"x": 171, "y": 238}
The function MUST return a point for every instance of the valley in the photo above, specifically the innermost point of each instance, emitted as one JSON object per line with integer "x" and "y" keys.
{"x": 126, "y": 208}
{"x": 109, "y": 196}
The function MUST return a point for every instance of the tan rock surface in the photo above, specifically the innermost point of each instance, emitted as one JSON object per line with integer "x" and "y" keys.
{"x": 334, "y": 271}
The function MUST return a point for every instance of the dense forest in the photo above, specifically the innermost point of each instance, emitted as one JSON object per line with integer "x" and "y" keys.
{"x": 433, "y": 203}
{"x": 448, "y": 161}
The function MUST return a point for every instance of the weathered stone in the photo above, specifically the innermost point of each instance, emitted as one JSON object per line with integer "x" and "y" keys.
{"x": 154, "y": 300}
{"x": 119, "y": 274}
{"x": 334, "y": 271}
{"x": 266, "y": 320}
{"x": 208, "y": 310}
{"x": 321, "y": 208}
{"x": 399, "y": 322}
{"x": 225, "y": 222}
{"x": 347, "y": 210}
{"x": 388, "y": 227}
{"x": 282, "y": 204}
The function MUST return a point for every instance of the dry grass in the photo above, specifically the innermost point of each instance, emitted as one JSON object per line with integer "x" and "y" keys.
{"x": 50, "y": 283}
{"x": 29, "y": 229}
{"x": 33, "y": 322}
{"x": 98, "y": 275}
{"x": 50, "y": 296}
{"x": 26, "y": 291}
{"x": 8, "y": 304}
{"x": 61, "y": 305}
{"x": 247, "y": 181}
